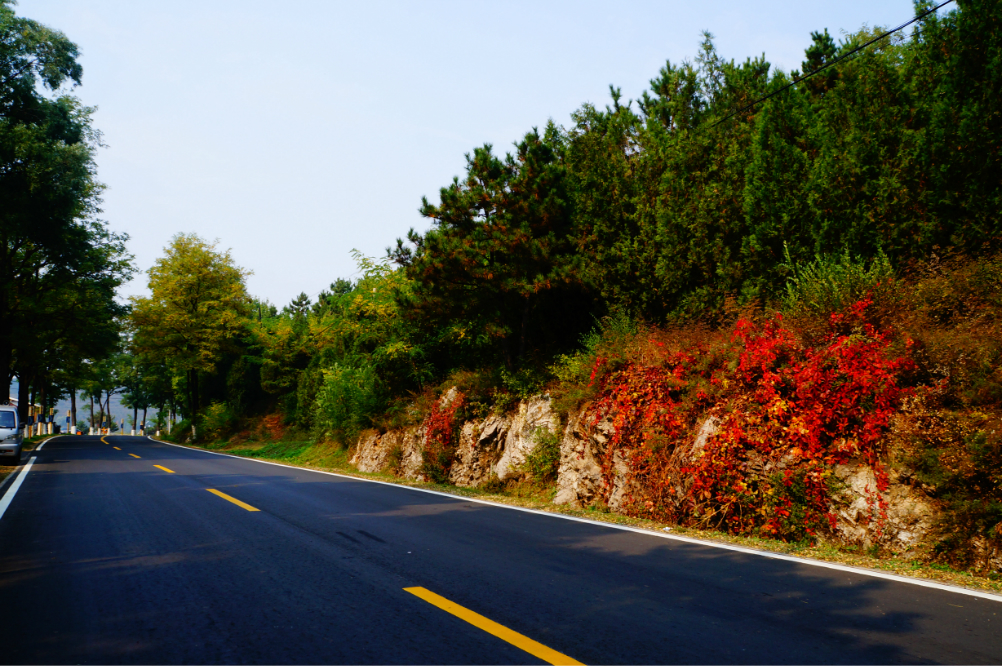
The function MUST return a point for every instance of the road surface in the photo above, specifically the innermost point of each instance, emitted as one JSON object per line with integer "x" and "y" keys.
{"x": 134, "y": 551}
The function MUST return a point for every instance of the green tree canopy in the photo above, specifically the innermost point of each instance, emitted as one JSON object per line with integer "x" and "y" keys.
{"x": 198, "y": 308}
{"x": 501, "y": 263}
{"x": 59, "y": 264}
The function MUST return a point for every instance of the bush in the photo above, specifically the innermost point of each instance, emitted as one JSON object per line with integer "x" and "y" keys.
{"x": 780, "y": 406}
{"x": 217, "y": 421}
{"x": 347, "y": 401}
{"x": 543, "y": 462}
{"x": 179, "y": 432}
{"x": 602, "y": 349}
{"x": 441, "y": 439}
{"x": 832, "y": 283}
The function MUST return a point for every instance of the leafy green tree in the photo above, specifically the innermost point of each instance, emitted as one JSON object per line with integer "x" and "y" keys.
{"x": 198, "y": 309}
{"x": 53, "y": 251}
{"x": 137, "y": 387}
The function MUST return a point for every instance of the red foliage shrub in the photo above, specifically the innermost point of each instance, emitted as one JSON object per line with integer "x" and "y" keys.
{"x": 786, "y": 414}
{"x": 441, "y": 439}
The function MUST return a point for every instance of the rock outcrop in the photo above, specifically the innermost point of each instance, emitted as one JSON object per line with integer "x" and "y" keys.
{"x": 498, "y": 446}
{"x": 900, "y": 518}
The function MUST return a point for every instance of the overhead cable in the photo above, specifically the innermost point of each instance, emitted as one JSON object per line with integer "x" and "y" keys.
{"x": 842, "y": 57}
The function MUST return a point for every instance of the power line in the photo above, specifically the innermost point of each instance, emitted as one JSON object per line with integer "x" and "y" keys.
{"x": 833, "y": 62}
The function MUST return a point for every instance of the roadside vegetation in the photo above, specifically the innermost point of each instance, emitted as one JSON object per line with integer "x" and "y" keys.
{"x": 60, "y": 264}
{"x": 820, "y": 273}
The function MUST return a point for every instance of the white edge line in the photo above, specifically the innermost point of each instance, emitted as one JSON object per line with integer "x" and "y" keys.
{"x": 12, "y": 490}
{"x": 626, "y": 528}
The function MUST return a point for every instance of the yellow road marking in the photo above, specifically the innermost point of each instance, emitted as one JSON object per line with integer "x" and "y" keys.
{"x": 116, "y": 448}
{"x": 169, "y": 471}
{"x": 232, "y": 499}
{"x": 133, "y": 455}
{"x": 539, "y": 650}
{"x": 103, "y": 440}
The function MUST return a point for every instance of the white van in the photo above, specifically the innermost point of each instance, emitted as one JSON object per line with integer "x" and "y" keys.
{"x": 10, "y": 436}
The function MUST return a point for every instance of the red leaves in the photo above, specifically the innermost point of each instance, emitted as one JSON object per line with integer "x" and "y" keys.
{"x": 787, "y": 415}
{"x": 599, "y": 361}
{"x": 440, "y": 426}
{"x": 440, "y": 439}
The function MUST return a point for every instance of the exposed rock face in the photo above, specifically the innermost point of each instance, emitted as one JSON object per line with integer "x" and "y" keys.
{"x": 372, "y": 452}
{"x": 706, "y": 431}
{"x": 579, "y": 477}
{"x": 500, "y": 444}
{"x": 400, "y": 448}
{"x": 478, "y": 451}
{"x": 579, "y": 481}
{"x": 521, "y": 439}
{"x": 905, "y": 521}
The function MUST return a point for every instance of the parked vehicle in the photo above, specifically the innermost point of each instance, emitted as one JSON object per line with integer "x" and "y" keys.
{"x": 10, "y": 436}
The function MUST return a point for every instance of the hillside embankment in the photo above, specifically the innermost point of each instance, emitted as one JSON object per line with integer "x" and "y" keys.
{"x": 533, "y": 458}
{"x": 863, "y": 415}
{"x": 899, "y": 515}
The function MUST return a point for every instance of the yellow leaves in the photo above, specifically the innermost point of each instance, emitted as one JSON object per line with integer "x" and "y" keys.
{"x": 797, "y": 426}
{"x": 778, "y": 406}
{"x": 198, "y": 304}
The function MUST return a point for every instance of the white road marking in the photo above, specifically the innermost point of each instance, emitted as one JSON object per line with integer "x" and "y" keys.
{"x": 9, "y": 495}
{"x": 626, "y": 528}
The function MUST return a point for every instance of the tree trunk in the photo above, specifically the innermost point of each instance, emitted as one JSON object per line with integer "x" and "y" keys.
{"x": 73, "y": 409}
{"x": 41, "y": 403}
{"x": 144, "y": 419}
{"x": 6, "y": 338}
{"x": 193, "y": 382}
{"x": 92, "y": 411}
{"x": 6, "y": 356}
{"x": 23, "y": 398}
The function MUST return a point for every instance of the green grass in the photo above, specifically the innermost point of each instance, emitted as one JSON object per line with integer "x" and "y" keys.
{"x": 296, "y": 452}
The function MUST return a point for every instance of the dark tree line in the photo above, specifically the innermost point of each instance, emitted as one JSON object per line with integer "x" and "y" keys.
{"x": 658, "y": 209}
{"x": 59, "y": 263}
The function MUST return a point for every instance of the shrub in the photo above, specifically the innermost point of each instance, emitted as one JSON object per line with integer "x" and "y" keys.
{"x": 603, "y": 349}
{"x": 441, "y": 439}
{"x": 956, "y": 320}
{"x": 543, "y": 461}
{"x": 787, "y": 414}
{"x": 831, "y": 284}
{"x": 216, "y": 422}
{"x": 346, "y": 402}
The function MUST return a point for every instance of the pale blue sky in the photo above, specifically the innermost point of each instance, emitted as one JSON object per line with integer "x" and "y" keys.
{"x": 296, "y": 131}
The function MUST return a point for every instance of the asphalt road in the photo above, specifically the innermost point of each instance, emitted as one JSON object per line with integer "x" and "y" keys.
{"x": 107, "y": 558}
